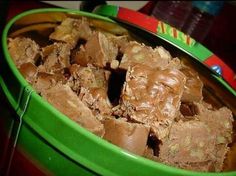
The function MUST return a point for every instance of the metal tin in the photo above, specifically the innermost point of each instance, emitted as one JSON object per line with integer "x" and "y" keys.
{"x": 50, "y": 143}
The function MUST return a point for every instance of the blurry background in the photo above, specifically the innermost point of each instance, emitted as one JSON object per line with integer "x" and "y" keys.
{"x": 217, "y": 21}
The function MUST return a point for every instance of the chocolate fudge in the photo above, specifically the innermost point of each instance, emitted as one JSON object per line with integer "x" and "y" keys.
{"x": 23, "y": 50}
{"x": 130, "y": 136}
{"x": 97, "y": 100}
{"x": 67, "y": 102}
{"x": 29, "y": 71}
{"x": 134, "y": 96}
{"x": 45, "y": 81}
{"x": 98, "y": 51}
{"x": 71, "y": 30}
{"x": 56, "y": 57}
{"x": 136, "y": 53}
{"x": 152, "y": 96}
{"x": 193, "y": 87}
{"x": 199, "y": 143}
{"x": 188, "y": 144}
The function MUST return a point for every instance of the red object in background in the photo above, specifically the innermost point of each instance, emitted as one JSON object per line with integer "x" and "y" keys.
{"x": 221, "y": 39}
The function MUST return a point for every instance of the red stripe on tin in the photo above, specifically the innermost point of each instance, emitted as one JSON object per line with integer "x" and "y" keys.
{"x": 227, "y": 72}
{"x": 147, "y": 22}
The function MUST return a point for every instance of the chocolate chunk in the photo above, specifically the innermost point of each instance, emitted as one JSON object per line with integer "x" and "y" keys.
{"x": 46, "y": 80}
{"x": 200, "y": 144}
{"x": 67, "y": 102}
{"x": 118, "y": 41}
{"x": 98, "y": 51}
{"x": 71, "y": 30}
{"x": 193, "y": 86}
{"x": 56, "y": 57}
{"x": 129, "y": 136}
{"x": 136, "y": 53}
{"x": 29, "y": 71}
{"x": 152, "y": 96}
{"x": 23, "y": 50}
{"x": 220, "y": 122}
{"x": 97, "y": 100}
{"x": 88, "y": 77}
{"x": 188, "y": 145}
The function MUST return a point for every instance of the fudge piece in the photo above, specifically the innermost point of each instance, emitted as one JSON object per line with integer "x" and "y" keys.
{"x": 152, "y": 96}
{"x": 92, "y": 85}
{"x": 56, "y": 57}
{"x": 46, "y": 80}
{"x": 129, "y": 136}
{"x": 80, "y": 56}
{"x": 88, "y": 77}
{"x": 29, "y": 72}
{"x": 118, "y": 41}
{"x": 220, "y": 125}
{"x": 23, "y": 50}
{"x": 193, "y": 86}
{"x": 174, "y": 63}
{"x": 97, "y": 100}
{"x": 189, "y": 145}
{"x": 163, "y": 53}
{"x": 136, "y": 53}
{"x": 67, "y": 102}
{"x": 98, "y": 51}
{"x": 71, "y": 30}
{"x": 220, "y": 122}
{"x": 83, "y": 75}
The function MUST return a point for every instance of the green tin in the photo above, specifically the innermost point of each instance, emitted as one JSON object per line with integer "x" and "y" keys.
{"x": 53, "y": 143}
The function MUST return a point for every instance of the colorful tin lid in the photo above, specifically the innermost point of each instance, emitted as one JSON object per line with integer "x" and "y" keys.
{"x": 177, "y": 38}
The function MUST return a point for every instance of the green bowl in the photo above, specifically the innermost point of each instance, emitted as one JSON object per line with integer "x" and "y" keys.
{"x": 51, "y": 142}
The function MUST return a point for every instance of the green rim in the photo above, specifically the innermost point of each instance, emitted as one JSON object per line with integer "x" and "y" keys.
{"x": 72, "y": 126}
